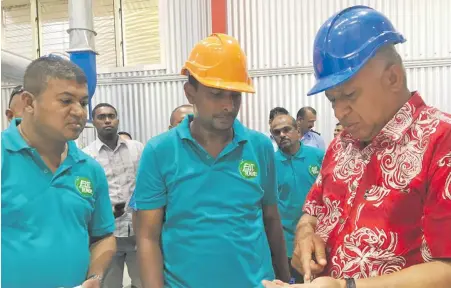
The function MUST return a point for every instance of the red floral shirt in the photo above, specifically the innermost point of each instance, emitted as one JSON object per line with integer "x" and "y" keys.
{"x": 387, "y": 206}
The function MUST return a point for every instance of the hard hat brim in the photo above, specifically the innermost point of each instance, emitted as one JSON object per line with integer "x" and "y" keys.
{"x": 220, "y": 84}
{"x": 229, "y": 86}
{"x": 333, "y": 81}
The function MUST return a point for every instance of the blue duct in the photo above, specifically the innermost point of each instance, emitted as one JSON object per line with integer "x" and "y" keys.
{"x": 81, "y": 43}
{"x": 86, "y": 60}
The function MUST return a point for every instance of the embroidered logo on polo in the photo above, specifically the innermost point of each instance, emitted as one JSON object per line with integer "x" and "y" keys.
{"x": 313, "y": 170}
{"x": 84, "y": 186}
{"x": 248, "y": 169}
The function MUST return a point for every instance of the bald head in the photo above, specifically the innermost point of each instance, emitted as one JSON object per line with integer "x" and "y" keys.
{"x": 179, "y": 114}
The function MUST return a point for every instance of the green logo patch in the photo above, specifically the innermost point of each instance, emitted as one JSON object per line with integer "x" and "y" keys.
{"x": 248, "y": 169}
{"x": 84, "y": 186}
{"x": 313, "y": 170}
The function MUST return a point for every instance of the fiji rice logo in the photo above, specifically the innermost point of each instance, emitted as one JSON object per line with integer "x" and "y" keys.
{"x": 248, "y": 169}
{"x": 313, "y": 170}
{"x": 84, "y": 186}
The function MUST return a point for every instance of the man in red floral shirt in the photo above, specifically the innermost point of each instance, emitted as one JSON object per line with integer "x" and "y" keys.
{"x": 379, "y": 214}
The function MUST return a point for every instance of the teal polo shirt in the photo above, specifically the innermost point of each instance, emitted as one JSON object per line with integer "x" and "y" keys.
{"x": 213, "y": 234}
{"x": 47, "y": 218}
{"x": 296, "y": 175}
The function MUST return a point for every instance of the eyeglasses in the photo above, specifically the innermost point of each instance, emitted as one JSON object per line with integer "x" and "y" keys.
{"x": 17, "y": 90}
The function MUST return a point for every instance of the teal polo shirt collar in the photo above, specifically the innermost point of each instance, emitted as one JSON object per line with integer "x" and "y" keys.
{"x": 240, "y": 135}
{"x": 13, "y": 141}
{"x": 301, "y": 154}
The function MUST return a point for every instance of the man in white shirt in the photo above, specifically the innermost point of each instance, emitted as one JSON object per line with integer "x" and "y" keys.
{"x": 119, "y": 157}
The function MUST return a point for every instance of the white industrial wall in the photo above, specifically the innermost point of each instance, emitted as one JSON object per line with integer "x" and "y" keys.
{"x": 277, "y": 36}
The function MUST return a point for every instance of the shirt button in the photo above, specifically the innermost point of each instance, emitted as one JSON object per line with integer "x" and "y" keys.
{"x": 46, "y": 171}
{"x": 342, "y": 220}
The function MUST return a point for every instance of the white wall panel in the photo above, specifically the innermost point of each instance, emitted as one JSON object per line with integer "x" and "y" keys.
{"x": 278, "y": 36}
{"x": 280, "y": 33}
{"x": 186, "y": 22}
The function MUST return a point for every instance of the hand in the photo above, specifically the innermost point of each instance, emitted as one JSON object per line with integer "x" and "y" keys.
{"x": 327, "y": 282}
{"x": 322, "y": 282}
{"x": 308, "y": 245}
{"x": 91, "y": 283}
{"x": 278, "y": 284}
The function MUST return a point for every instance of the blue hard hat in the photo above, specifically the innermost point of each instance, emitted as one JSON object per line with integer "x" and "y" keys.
{"x": 346, "y": 41}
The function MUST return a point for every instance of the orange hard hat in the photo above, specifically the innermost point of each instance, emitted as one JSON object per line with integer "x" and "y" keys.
{"x": 219, "y": 62}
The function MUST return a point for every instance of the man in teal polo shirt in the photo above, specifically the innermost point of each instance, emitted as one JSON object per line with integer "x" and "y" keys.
{"x": 214, "y": 183}
{"x": 297, "y": 166}
{"x": 57, "y": 220}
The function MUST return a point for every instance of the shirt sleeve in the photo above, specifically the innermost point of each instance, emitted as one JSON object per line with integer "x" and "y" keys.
{"x": 150, "y": 192}
{"x": 270, "y": 188}
{"x": 437, "y": 216}
{"x": 102, "y": 221}
{"x": 88, "y": 150}
{"x": 321, "y": 143}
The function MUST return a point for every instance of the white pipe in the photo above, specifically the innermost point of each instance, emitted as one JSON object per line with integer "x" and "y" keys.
{"x": 81, "y": 26}
{"x": 13, "y": 67}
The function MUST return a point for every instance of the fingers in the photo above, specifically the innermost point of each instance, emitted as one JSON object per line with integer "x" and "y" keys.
{"x": 306, "y": 259}
{"x": 309, "y": 257}
{"x": 320, "y": 251}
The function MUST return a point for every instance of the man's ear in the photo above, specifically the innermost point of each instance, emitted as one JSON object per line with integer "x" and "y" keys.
{"x": 9, "y": 114}
{"x": 189, "y": 92}
{"x": 394, "y": 78}
{"x": 29, "y": 101}
{"x": 298, "y": 123}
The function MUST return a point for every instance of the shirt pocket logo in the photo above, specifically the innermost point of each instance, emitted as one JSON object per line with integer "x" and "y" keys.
{"x": 248, "y": 169}
{"x": 84, "y": 186}
{"x": 313, "y": 170}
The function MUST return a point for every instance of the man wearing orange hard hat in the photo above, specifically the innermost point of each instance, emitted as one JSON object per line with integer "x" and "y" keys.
{"x": 213, "y": 181}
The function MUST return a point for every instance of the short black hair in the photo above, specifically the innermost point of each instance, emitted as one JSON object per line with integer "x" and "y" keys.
{"x": 16, "y": 91}
{"x": 277, "y": 111}
{"x": 125, "y": 133}
{"x": 41, "y": 70}
{"x": 303, "y": 110}
{"x": 177, "y": 108}
{"x": 100, "y": 105}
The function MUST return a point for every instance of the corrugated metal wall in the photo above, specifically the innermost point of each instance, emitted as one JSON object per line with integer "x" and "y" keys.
{"x": 277, "y": 36}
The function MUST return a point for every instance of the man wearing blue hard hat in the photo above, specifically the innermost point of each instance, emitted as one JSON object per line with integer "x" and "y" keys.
{"x": 379, "y": 214}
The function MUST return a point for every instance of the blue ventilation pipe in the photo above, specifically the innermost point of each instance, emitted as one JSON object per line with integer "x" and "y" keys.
{"x": 81, "y": 42}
